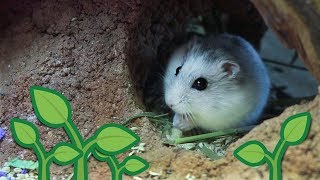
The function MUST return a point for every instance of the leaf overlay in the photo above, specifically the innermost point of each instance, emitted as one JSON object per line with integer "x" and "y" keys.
{"x": 295, "y": 129}
{"x": 64, "y": 153}
{"x": 115, "y": 139}
{"x": 51, "y": 107}
{"x": 24, "y": 131}
{"x": 135, "y": 165}
{"x": 251, "y": 153}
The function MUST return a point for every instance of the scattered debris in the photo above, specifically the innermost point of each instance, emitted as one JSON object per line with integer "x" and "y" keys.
{"x": 133, "y": 128}
{"x": 137, "y": 178}
{"x": 190, "y": 177}
{"x": 12, "y": 173}
{"x": 23, "y": 164}
{"x": 155, "y": 173}
{"x": 138, "y": 149}
{"x": 2, "y": 133}
{"x": 173, "y": 134}
{"x": 19, "y": 169}
{"x": 213, "y": 145}
{"x": 187, "y": 146}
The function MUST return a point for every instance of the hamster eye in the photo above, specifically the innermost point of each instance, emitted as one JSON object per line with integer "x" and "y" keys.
{"x": 178, "y": 70}
{"x": 200, "y": 84}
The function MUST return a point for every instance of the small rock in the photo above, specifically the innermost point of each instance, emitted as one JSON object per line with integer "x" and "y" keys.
{"x": 21, "y": 176}
{"x": 190, "y": 177}
{"x": 134, "y": 128}
{"x": 6, "y": 169}
{"x": 17, "y": 170}
{"x": 154, "y": 173}
{"x": 10, "y": 175}
{"x": 137, "y": 178}
{"x": 31, "y": 174}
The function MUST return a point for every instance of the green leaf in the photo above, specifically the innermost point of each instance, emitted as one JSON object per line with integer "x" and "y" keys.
{"x": 64, "y": 153}
{"x": 209, "y": 153}
{"x": 24, "y": 164}
{"x": 295, "y": 129}
{"x": 251, "y": 153}
{"x": 51, "y": 107}
{"x": 134, "y": 165}
{"x": 24, "y": 132}
{"x": 114, "y": 139}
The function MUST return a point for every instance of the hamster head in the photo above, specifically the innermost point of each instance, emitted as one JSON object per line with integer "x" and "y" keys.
{"x": 201, "y": 82}
{"x": 216, "y": 83}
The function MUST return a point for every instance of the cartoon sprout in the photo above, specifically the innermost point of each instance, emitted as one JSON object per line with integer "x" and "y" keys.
{"x": 293, "y": 132}
{"x": 54, "y": 110}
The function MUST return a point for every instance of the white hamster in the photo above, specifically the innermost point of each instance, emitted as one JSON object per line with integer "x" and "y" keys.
{"x": 216, "y": 83}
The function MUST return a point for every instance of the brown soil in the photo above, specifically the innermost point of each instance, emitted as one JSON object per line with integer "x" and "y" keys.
{"x": 97, "y": 54}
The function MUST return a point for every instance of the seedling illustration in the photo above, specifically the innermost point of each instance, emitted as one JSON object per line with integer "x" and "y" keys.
{"x": 54, "y": 110}
{"x": 293, "y": 132}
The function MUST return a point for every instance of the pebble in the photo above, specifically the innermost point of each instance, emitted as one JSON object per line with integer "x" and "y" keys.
{"x": 21, "y": 176}
{"x": 6, "y": 169}
{"x": 134, "y": 128}
{"x": 17, "y": 170}
{"x": 190, "y": 177}
{"x": 137, "y": 178}
{"x": 10, "y": 175}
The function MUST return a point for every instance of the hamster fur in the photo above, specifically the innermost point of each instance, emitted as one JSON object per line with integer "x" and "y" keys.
{"x": 216, "y": 83}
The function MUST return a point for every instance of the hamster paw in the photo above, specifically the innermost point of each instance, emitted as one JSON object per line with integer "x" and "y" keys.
{"x": 182, "y": 122}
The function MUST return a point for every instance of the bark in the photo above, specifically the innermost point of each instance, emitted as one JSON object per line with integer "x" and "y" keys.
{"x": 296, "y": 23}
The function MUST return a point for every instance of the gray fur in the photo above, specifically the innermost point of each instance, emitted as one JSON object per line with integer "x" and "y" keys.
{"x": 229, "y": 101}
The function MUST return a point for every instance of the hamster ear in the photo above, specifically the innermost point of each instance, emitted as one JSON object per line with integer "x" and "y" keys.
{"x": 231, "y": 68}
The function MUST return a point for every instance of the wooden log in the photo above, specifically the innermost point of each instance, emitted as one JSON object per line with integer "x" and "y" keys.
{"x": 297, "y": 25}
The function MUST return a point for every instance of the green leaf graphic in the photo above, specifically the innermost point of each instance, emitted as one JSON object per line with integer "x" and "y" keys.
{"x": 51, "y": 107}
{"x": 65, "y": 153}
{"x": 24, "y": 132}
{"x": 251, "y": 153}
{"x": 115, "y": 139}
{"x": 100, "y": 156}
{"x": 295, "y": 129}
{"x": 134, "y": 165}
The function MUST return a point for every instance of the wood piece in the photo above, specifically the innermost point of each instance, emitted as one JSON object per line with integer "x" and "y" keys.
{"x": 297, "y": 25}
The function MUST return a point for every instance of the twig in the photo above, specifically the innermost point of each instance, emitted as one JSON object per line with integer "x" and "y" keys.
{"x": 144, "y": 114}
{"x": 213, "y": 135}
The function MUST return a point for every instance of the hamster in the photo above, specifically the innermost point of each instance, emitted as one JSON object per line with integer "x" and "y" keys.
{"x": 216, "y": 83}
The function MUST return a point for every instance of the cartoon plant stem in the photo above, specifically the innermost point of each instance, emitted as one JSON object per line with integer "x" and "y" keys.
{"x": 113, "y": 163}
{"x": 131, "y": 165}
{"x": 293, "y": 132}
{"x": 276, "y": 162}
{"x": 76, "y": 138}
{"x": 27, "y": 135}
{"x": 54, "y": 110}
